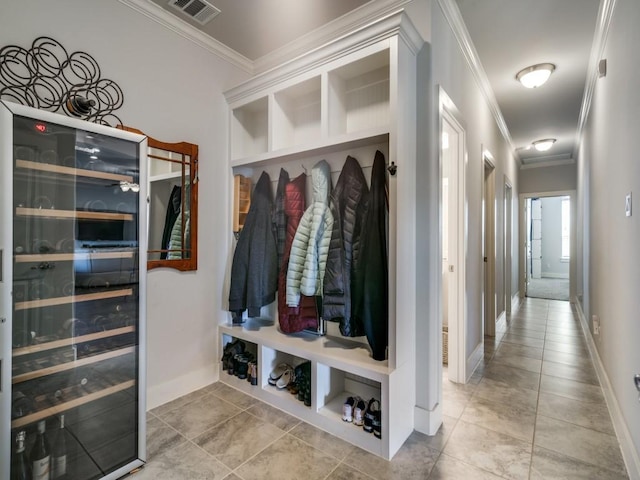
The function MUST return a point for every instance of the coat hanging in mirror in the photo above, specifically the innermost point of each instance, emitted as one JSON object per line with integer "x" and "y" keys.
{"x": 48, "y": 78}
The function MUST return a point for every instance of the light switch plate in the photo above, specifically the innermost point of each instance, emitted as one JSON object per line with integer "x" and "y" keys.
{"x": 627, "y": 205}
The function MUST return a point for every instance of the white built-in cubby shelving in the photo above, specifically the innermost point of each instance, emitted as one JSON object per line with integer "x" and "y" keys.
{"x": 352, "y": 97}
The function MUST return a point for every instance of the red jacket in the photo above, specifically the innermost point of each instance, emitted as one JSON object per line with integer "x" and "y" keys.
{"x": 306, "y": 315}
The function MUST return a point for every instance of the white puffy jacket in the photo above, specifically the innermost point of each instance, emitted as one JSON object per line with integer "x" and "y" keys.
{"x": 310, "y": 245}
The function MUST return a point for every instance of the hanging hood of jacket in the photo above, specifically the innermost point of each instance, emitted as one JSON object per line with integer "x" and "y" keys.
{"x": 311, "y": 243}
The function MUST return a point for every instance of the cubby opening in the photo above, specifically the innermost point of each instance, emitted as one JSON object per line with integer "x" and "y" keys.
{"x": 271, "y": 361}
{"x": 296, "y": 116}
{"x": 239, "y": 373}
{"x": 335, "y": 387}
{"x": 359, "y": 95}
{"x": 250, "y": 129}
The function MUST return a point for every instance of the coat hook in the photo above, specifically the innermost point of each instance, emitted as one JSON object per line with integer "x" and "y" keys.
{"x": 393, "y": 168}
{"x": 305, "y": 169}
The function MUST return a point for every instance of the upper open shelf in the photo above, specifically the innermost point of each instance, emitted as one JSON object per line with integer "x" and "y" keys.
{"x": 346, "y": 103}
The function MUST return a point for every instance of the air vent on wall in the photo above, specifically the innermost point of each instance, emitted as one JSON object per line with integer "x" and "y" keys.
{"x": 201, "y": 11}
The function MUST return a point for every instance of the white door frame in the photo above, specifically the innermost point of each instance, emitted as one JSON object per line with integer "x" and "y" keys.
{"x": 508, "y": 243}
{"x": 523, "y": 236}
{"x": 489, "y": 243}
{"x": 457, "y": 250}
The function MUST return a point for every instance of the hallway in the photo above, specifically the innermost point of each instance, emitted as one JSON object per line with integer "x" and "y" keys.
{"x": 533, "y": 410}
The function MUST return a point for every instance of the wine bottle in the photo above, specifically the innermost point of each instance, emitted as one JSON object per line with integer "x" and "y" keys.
{"x": 40, "y": 456}
{"x": 20, "y": 467}
{"x": 59, "y": 453}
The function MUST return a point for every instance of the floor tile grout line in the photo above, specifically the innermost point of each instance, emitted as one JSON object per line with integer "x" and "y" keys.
{"x": 259, "y": 452}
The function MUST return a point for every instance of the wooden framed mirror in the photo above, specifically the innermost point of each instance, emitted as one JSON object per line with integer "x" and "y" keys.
{"x": 173, "y": 204}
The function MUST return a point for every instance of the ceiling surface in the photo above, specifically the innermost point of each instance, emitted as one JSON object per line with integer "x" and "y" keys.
{"x": 254, "y": 28}
{"x": 508, "y": 35}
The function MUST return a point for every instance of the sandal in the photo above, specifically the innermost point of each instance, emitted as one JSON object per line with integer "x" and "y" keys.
{"x": 285, "y": 379}
{"x": 369, "y": 416}
{"x": 277, "y": 372}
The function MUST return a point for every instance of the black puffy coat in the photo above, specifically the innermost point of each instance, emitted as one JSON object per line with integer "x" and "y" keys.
{"x": 254, "y": 272}
{"x": 348, "y": 205}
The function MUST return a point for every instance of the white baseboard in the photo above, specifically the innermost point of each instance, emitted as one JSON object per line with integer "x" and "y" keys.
{"x": 555, "y": 275}
{"x": 427, "y": 421}
{"x": 165, "y": 392}
{"x": 501, "y": 322}
{"x": 474, "y": 360}
{"x": 515, "y": 302}
{"x": 629, "y": 452}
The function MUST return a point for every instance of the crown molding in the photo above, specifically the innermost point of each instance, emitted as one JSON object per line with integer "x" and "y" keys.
{"x": 605, "y": 14}
{"x": 454, "y": 18}
{"x": 394, "y": 23}
{"x": 182, "y": 28}
{"x": 353, "y": 20}
{"x": 550, "y": 161}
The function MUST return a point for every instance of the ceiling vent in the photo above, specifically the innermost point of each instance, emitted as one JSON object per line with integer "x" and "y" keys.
{"x": 199, "y": 10}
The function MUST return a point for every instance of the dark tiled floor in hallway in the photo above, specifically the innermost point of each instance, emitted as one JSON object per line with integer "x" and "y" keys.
{"x": 532, "y": 410}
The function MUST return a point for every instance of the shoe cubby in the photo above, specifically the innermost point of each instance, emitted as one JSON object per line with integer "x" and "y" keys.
{"x": 272, "y": 360}
{"x": 249, "y": 129}
{"x": 358, "y": 95}
{"x": 334, "y": 388}
{"x": 296, "y": 114}
{"x": 238, "y": 372}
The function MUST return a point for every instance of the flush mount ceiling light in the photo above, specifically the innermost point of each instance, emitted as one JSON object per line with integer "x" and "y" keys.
{"x": 544, "y": 144}
{"x": 535, "y": 75}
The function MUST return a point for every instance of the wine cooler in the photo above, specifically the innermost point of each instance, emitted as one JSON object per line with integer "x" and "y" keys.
{"x": 72, "y": 297}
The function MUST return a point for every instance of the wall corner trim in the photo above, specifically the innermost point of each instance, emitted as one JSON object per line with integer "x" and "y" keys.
{"x": 629, "y": 452}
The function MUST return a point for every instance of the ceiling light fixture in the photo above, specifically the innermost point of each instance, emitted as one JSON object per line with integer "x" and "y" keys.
{"x": 535, "y": 75}
{"x": 544, "y": 144}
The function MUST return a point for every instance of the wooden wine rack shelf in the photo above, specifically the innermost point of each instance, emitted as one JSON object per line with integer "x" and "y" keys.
{"x": 43, "y": 347}
{"x": 88, "y": 297}
{"x": 78, "y": 172}
{"x": 65, "y": 257}
{"x": 71, "y": 214}
{"x": 71, "y": 365}
{"x": 64, "y": 406}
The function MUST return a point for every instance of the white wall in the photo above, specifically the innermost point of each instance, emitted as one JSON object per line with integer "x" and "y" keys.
{"x": 173, "y": 92}
{"x": 552, "y": 265}
{"x": 610, "y": 259}
{"x": 442, "y": 64}
{"x": 451, "y": 72}
{"x": 547, "y": 179}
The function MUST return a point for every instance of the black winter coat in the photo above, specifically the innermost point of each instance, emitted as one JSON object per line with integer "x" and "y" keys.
{"x": 371, "y": 302}
{"x": 348, "y": 205}
{"x": 254, "y": 272}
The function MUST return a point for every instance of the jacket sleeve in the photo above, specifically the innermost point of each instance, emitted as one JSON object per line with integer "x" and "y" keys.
{"x": 297, "y": 258}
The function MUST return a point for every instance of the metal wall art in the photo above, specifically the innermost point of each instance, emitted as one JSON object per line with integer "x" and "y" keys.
{"x": 47, "y": 77}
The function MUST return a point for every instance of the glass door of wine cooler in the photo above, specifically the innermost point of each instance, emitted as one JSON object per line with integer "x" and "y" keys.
{"x": 77, "y": 262}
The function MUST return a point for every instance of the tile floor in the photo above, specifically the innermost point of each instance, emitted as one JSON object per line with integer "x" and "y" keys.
{"x": 533, "y": 410}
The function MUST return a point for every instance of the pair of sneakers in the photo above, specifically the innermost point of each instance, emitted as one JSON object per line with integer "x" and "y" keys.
{"x": 353, "y": 411}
